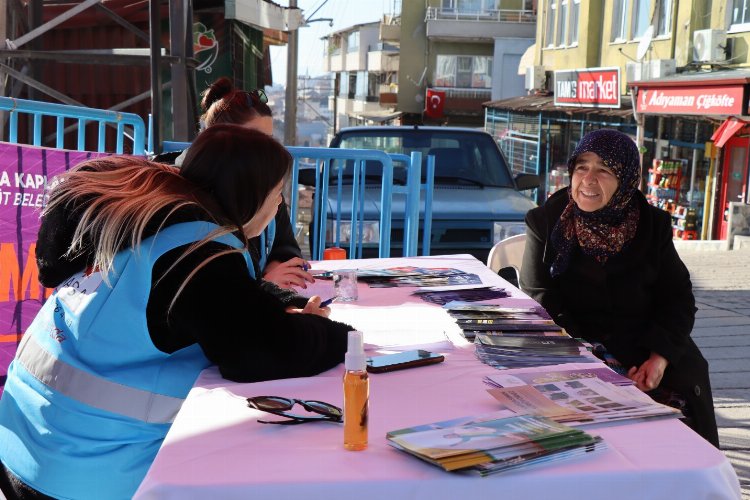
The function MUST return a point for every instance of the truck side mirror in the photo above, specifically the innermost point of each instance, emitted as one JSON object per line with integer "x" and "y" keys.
{"x": 527, "y": 181}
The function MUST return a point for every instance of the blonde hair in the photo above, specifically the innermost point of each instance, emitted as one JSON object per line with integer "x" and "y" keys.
{"x": 118, "y": 197}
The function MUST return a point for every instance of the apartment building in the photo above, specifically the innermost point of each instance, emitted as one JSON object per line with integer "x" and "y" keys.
{"x": 434, "y": 63}
{"x": 458, "y": 54}
{"x": 675, "y": 75}
{"x": 365, "y": 61}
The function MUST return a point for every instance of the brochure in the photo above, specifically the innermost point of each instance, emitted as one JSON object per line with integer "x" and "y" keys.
{"x": 542, "y": 376}
{"x": 591, "y": 400}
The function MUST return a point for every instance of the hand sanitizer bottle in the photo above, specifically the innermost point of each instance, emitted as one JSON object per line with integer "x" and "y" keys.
{"x": 356, "y": 394}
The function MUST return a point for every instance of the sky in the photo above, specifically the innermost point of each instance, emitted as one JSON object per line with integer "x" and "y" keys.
{"x": 345, "y": 13}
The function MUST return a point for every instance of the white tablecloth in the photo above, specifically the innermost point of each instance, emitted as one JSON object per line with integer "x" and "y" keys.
{"x": 217, "y": 450}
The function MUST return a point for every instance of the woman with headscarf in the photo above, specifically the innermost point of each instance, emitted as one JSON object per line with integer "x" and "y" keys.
{"x": 601, "y": 261}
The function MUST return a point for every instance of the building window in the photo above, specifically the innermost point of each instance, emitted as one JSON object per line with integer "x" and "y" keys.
{"x": 463, "y": 72}
{"x": 575, "y": 8}
{"x": 739, "y": 15}
{"x": 561, "y": 25}
{"x": 549, "y": 33}
{"x": 362, "y": 85}
{"x": 344, "y": 84}
{"x": 619, "y": 17}
{"x": 663, "y": 17}
{"x": 469, "y": 6}
{"x": 353, "y": 42}
{"x": 352, "y": 89}
{"x": 640, "y": 18}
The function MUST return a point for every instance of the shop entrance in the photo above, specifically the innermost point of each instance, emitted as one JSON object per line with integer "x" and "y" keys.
{"x": 733, "y": 182}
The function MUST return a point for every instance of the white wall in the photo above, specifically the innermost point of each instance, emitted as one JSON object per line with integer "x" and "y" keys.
{"x": 506, "y": 82}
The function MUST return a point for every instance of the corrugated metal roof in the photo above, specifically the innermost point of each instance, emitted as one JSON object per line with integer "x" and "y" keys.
{"x": 546, "y": 104}
{"x": 698, "y": 78}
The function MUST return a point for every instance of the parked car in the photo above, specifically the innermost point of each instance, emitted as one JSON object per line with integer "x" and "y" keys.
{"x": 476, "y": 200}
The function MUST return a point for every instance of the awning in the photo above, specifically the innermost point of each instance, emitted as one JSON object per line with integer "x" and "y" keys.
{"x": 380, "y": 116}
{"x": 540, "y": 103}
{"x": 263, "y": 14}
{"x": 726, "y": 131}
{"x": 527, "y": 59}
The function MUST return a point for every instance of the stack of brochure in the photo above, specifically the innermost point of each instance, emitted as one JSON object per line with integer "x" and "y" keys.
{"x": 546, "y": 375}
{"x": 529, "y": 350}
{"x": 464, "y": 293}
{"x": 489, "y": 444}
{"x": 501, "y": 320}
{"x": 583, "y": 400}
{"x": 408, "y": 276}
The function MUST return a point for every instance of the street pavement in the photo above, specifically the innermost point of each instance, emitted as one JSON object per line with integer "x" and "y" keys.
{"x": 721, "y": 283}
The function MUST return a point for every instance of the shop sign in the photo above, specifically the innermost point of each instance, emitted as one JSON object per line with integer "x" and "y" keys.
{"x": 591, "y": 88}
{"x": 713, "y": 100}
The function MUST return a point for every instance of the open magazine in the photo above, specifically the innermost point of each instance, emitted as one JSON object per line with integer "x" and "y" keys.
{"x": 582, "y": 400}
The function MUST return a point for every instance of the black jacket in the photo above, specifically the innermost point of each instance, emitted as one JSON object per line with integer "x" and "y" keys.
{"x": 640, "y": 300}
{"x": 240, "y": 326}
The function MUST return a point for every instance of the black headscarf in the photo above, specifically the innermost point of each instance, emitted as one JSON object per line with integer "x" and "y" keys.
{"x": 604, "y": 232}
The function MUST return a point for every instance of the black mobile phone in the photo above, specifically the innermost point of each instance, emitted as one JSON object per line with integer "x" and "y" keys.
{"x": 401, "y": 360}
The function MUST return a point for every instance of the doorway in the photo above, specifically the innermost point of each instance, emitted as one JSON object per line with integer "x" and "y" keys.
{"x": 734, "y": 180}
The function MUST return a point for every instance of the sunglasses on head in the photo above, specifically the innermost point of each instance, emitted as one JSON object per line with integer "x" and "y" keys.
{"x": 281, "y": 407}
{"x": 255, "y": 97}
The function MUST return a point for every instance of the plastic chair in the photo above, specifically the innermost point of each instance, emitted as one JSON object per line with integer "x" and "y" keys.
{"x": 508, "y": 255}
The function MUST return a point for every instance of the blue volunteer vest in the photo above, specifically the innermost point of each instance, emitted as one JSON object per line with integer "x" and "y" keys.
{"x": 89, "y": 399}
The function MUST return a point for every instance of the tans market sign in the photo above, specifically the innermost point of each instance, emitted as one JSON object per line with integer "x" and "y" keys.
{"x": 590, "y": 88}
{"x": 693, "y": 100}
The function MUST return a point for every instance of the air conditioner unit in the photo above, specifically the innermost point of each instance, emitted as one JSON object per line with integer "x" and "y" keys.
{"x": 659, "y": 68}
{"x": 709, "y": 45}
{"x": 536, "y": 78}
{"x": 633, "y": 71}
{"x": 650, "y": 70}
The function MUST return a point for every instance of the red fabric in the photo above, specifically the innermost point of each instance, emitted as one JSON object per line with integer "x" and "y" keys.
{"x": 726, "y": 131}
{"x": 434, "y": 103}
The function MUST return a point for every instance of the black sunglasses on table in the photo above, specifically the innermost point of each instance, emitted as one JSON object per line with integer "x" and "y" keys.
{"x": 281, "y": 406}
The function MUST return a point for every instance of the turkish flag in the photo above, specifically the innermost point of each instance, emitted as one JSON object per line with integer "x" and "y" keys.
{"x": 434, "y": 103}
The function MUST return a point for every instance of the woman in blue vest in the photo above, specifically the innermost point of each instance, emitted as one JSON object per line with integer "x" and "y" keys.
{"x": 280, "y": 257}
{"x": 170, "y": 290}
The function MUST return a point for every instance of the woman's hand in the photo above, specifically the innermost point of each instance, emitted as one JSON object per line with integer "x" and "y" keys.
{"x": 288, "y": 274}
{"x": 312, "y": 307}
{"x": 648, "y": 376}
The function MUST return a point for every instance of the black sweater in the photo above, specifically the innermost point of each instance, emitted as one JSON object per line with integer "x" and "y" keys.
{"x": 240, "y": 326}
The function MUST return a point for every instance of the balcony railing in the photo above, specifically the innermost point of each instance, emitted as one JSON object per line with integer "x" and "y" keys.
{"x": 501, "y": 15}
{"x": 465, "y": 92}
{"x": 383, "y": 47}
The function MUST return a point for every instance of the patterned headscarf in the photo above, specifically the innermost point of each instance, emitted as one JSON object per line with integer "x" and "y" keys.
{"x": 604, "y": 232}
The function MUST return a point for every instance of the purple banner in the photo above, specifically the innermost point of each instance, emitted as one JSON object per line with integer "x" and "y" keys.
{"x": 25, "y": 172}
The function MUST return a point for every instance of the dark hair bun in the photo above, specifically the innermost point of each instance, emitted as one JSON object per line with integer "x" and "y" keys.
{"x": 216, "y": 91}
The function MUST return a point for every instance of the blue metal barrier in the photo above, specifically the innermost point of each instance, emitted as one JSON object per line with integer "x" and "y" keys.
{"x": 325, "y": 159}
{"x": 37, "y": 110}
{"x": 412, "y": 190}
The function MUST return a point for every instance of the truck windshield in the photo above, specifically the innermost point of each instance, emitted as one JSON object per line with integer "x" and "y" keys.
{"x": 461, "y": 158}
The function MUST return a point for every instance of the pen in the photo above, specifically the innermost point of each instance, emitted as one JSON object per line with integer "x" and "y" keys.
{"x": 328, "y": 302}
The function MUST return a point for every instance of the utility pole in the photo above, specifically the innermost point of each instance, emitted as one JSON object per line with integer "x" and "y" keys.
{"x": 155, "y": 39}
{"x": 290, "y": 106}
